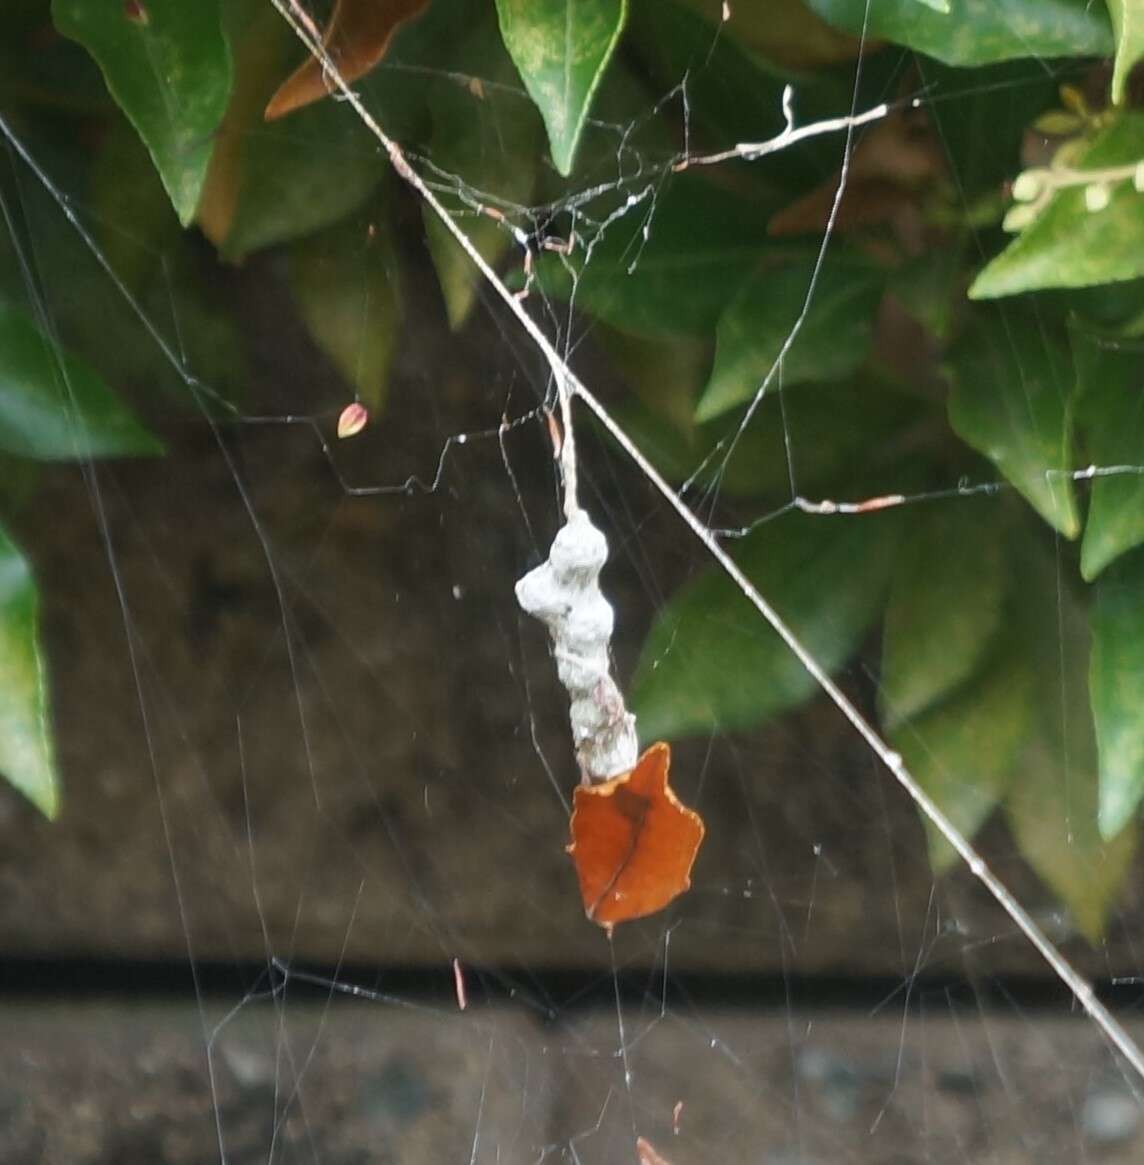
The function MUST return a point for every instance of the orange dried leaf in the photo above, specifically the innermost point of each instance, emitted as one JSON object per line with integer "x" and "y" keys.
{"x": 633, "y": 843}
{"x": 356, "y": 38}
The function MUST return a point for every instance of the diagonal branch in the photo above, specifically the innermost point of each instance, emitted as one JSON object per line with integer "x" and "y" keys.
{"x": 569, "y": 385}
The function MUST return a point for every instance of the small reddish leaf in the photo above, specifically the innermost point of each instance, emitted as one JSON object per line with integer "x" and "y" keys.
{"x": 633, "y": 843}
{"x": 352, "y": 420}
{"x": 135, "y": 12}
{"x": 647, "y": 1155}
{"x": 356, "y": 38}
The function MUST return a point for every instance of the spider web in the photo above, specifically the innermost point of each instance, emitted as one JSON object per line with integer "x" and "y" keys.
{"x": 345, "y": 784}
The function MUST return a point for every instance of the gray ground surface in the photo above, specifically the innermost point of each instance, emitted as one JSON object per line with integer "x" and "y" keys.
{"x": 366, "y": 1082}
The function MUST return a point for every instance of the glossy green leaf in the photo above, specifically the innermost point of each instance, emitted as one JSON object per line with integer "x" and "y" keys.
{"x": 1068, "y": 245}
{"x": 940, "y": 623}
{"x": 53, "y": 407}
{"x": 963, "y": 751}
{"x": 630, "y": 129}
{"x": 1116, "y": 687}
{"x": 1128, "y": 28}
{"x": 975, "y": 32}
{"x": 487, "y": 140}
{"x": 711, "y": 662}
{"x": 561, "y": 48}
{"x": 168, "y": 67}
{"x": 1110, "y": 379}
{"x": 1052, "y": 804}
{"x": 669, "y": 264}
{"x": 345, "y": 282}
{"x": 26, "y": 755}
{"x": 833, "y": 339}
{"x": 1011, "y": 383}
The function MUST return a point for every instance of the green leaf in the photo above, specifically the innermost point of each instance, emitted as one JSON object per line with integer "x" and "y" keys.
{"x": 1053, "y": 799}
{"x": 735, "y": 96}
{"x": 1068, "y": 245}
{"x": 561, "y": 48}
{"x": 784, "y": 35}
{"x": 666, "y": 375}
{"x": 1009, "y": 401}
{"x": 963, "y": 751}
{"x": 1113, "y": 307}
{"x": 1051, "y": 807}
{"x": 927, "y": 288}
{"x": 940, "y": 623}
{"x": 270, "y": 183}
{"x": 168, "y": 67}
{"x": 38, "y": 69}
{"x": 134, "y": 222}
{"x": 26, "y": 755}
{"x": 982, "y": 115}
{"x": 849, "y": 440}
{"x": 1110, "y": 371}
{"x": 487, "y": 140}
{"x": 170, "y": 283}
{"x": 53, "y": 407}
{"x": 1128, "y": 27}
{"x": 833, "y": 340}
{"x": 630, "y": 131}
{"x": 712, "y": 663}
{"x": 345, "y": 283}
{"x": 1116, "y": 687}
{"x": 667, "y": 266}
{"x": 975, "y": 32}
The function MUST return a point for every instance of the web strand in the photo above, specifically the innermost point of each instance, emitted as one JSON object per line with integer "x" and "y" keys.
{"x": 569, "y": 385}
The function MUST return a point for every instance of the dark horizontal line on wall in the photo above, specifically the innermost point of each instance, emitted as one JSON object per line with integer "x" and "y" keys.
{"x": 547, "y": 993}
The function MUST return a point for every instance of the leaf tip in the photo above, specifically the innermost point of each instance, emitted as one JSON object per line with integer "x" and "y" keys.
{"x": 982, "y": 286}
{"x": 48, "y": 800}
{"x": 1118, "y": 805}
{"x": 711, "y": 403}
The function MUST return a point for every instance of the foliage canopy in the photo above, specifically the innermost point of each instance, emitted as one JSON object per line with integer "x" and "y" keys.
{"x": 993, "y": 218}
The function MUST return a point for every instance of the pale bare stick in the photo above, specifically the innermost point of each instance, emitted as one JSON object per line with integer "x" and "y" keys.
{"x": 569, "y": 385}
{"x": 788, "y": 135}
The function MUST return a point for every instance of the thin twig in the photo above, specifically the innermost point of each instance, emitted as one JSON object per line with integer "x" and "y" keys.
{"x": 788, "y": 136}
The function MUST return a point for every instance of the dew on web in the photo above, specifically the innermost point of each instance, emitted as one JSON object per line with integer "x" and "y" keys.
{"x": 309, "y": 897}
